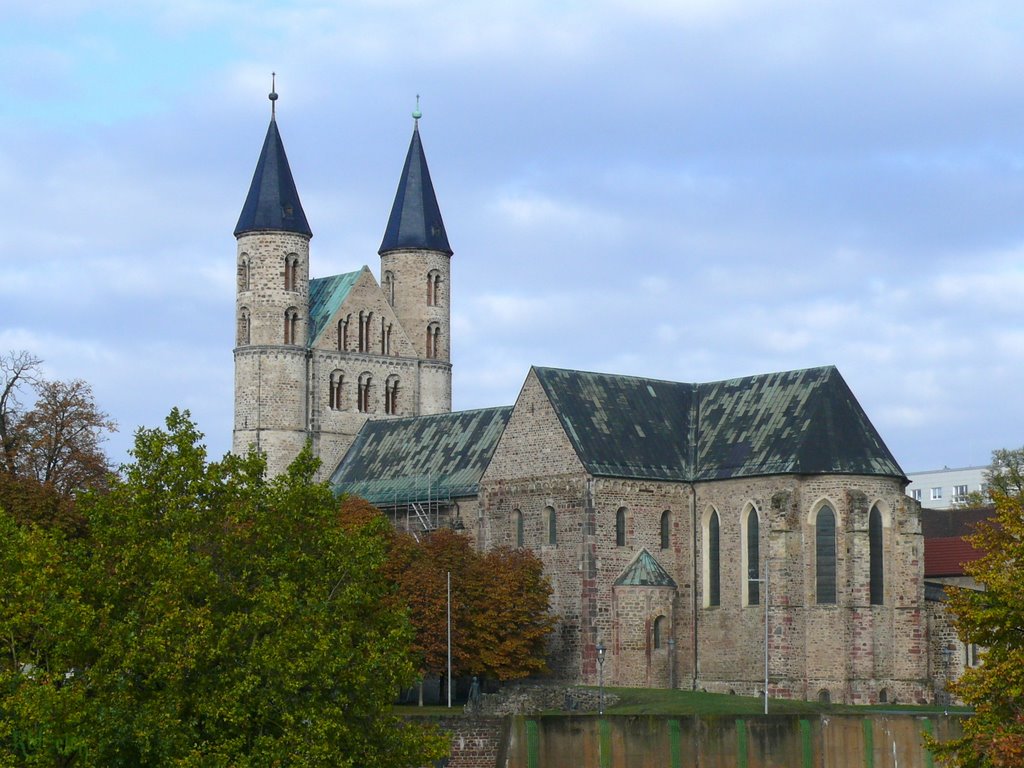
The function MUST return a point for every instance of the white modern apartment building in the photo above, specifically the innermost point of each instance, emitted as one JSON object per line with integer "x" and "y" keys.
{"x": 942, "y": 488}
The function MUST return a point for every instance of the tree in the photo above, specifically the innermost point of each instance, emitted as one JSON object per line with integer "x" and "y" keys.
{"x": 994, "y": 619}
{"x": 209, "y": 618}
{"x": 17, "y": 370}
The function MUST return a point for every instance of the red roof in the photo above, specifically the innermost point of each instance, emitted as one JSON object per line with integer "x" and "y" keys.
{"x": 945, "y": 556}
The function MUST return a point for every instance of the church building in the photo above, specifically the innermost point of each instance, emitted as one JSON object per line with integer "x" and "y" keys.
{"x": 697, "y": 535}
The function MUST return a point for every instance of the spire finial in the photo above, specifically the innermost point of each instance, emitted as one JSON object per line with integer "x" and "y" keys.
{"x": 273, "y": 95}
{"x": 416, "y": 114}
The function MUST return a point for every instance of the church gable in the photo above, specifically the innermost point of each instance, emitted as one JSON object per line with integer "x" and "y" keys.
{"x": 645, "y": 571}
{"x": 335, "y": 315}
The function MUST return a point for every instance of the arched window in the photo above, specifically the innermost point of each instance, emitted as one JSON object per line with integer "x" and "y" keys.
{"x": 337, "y": 382}
{"x": 244, "y": 327}
{"x": 666, "y": 529}
{"x": 825, "y": 556}
{"x": 552, "y": 521}
{"x": 391, "y": 395}
{"x": 877, "y": 577}
{"x": 883, "y": 696}
{"x": 753, "y": 558}
{"x": 714, "y": 583}
{"x": 363, "y": 395}
{"x": 433, "y": 340}
{"x": 517, "y": 522}
{"x": 659, "y": 632}
{"x": 291, "y": 326}
{"x": 620, "y": 527}
{"x": 291, "y": 272}
{"x": 824, "y": 697}
{"x": 433, "y": 288}
{"x": 364, "y": 331}
{"x": 243, "y": 272}
{"x": 385, "y": 337}
{"x": 389, "y": 287}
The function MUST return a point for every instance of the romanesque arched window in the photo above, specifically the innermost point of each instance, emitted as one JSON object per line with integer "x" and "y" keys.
{"x": 243, "y": 272}
{"x": 385, "y": 337}
{"x": 334, "y": 393}
{"x": 291, "y": 326}
{"x": 658, "y": 632}
{"x": 825, "y": 556}
{"x": 433, "y": 340}
{"x": 714, "y": 575}
{"x": 365, "y": 319}
{"x": 343, "y": 335}
{"x": 391, "y": 395}
{"x": 666, "y": 529}
{"x": 552, "y": 523}
{"x": 244, "y": 327}
{"x": 388, "y": 284}
{"x": 620, "y": 527}
{"x": 876, "y": 569}
{"x": 291, "y": 272}
{"x": 433, "y": 288}
{"x": 753, "y": 557}
{"x": 519, "y": 532}
{"x": 364, "y": 392}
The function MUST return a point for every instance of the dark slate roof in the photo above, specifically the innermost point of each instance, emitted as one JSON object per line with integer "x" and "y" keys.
{"x": 325, "y": 296}
{"x": 415, "y": 220}
{"x": 413, "y": 459}
{"x": 644, "y": 571}
{"x": 273, "y": 201}
{"x": 795, "y": 422}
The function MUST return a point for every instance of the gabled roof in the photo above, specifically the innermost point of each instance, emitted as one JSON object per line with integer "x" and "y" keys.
{"x": 415, "y": 220}
{"x": 273, "y": 201}
{"x": 945, "y": 549}
{"x": 795, "y": 422}
{"x": 644, "y": 571}
{"x": 326, "y": 294}
{"x": 419, "y": 458}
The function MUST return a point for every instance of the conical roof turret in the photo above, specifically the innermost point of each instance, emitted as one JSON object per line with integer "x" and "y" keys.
{"x": 415, "y": 220}
{"x": 273, "y": 201}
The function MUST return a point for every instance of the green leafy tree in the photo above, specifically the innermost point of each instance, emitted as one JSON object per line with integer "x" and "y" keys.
{"x": 209, "y": 618}
{"x": 993, "y": 618}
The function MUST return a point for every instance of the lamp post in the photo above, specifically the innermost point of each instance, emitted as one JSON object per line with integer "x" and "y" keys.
{"x": 755, "y": 580}
{"x": 600, "y": 678}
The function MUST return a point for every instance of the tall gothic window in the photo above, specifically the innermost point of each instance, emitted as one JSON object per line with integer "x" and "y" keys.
{"x": 753, "y": 558}
{"x": 825, "y": 556}
{"x": 620, "y": 527}
{"x": 714, "y": 572}
{"x": 877, "y": 589}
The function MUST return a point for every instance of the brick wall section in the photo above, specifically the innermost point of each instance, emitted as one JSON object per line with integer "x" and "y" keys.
{"x": 477, "y": 742}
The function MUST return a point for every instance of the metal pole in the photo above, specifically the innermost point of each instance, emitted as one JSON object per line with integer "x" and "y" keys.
{"x": 767, "y": 602}
{"x": 450, "y": 639}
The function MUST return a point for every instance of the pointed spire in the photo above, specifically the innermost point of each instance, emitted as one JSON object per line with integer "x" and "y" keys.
{"x": 273, "y": 201}
{"x": 415, "y": 220}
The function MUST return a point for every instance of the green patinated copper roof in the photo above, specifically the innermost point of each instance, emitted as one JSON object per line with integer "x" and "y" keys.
{"x": 795, "y": 422}
{"x": 394, "y": 461}
{"x": 644, "y": 571}
{"x": 325, "y": 296}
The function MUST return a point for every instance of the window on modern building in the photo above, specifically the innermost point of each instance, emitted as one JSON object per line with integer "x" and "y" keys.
{"x": 363, "y": 395}
{"x": 620, "y": 527}
{"x": 389, "y": 287}
{"x": 552, "y": 521}
{"x": 753, "y": 558}
{"x": 291, "y": 326}
{"x": 959, "y": 494}
{"x": 243, "y": 273}
{"x": 391, "y": 395}
{"x": 825, "y": 556}
{"x": 519, "y": 533}
{"x": 658, "y": 634}
{"x": 714, "y": 573}
{"x": 876, "y": 572}
{"x": 916, "y": 494}
{"x": 337, "y": 381}
{"x": 433, "y": 340}
{"x": 244, "y": 327}
{"x": 433, "y": 288}
{"x": 936, "y": 493}
{"x": 666, "y": 529}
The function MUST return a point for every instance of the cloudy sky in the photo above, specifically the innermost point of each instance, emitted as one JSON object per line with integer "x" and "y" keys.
{"x": 683, "y": 189}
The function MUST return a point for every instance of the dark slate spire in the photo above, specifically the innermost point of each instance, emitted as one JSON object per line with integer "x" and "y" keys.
{"x": 415, "y": 217}
{"x": 273, "y": 202}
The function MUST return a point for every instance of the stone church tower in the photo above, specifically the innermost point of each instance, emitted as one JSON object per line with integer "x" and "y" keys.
{"x": 316, "y": 358}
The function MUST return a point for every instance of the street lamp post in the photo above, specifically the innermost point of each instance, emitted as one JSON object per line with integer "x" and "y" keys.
{"x": 600, "y": 678}
{"x": 764, "y": 581}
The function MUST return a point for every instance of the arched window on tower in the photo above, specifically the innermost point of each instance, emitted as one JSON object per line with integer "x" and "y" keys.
{"x": 343, "y": 334}
{"x": 433, "y": 341}
{"x": 620, "y": 527}
{"x": 753, "y": 558}
{"x": 825, "y": 556}
{"x": 433, "y": 288}
{"x": 391, "y": 395}
{"x": 291, "y": 272}
{"x": 713, "y": 582}
{"x": 291, "y": 326}
{"x": 659, "y": 632}
{"x": 666, "y": 529}
{"x": 243, "y": 272}
{"x": 389, "y": 287}
{"x": 363, "y": 395}
{"x": 876, "y": 570}
{"x": 244, "y": 326}
{"x": 337, "y": 383}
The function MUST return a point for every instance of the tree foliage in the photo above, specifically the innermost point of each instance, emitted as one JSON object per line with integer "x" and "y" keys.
{"x": 209, "y": 618}
{"x": 994, "y": 619}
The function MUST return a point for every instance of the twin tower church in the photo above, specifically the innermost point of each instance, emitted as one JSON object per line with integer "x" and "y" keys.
{"x": 676, "y": 521}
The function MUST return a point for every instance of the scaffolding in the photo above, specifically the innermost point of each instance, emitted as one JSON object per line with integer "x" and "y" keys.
{"x": 423, "y": 508}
